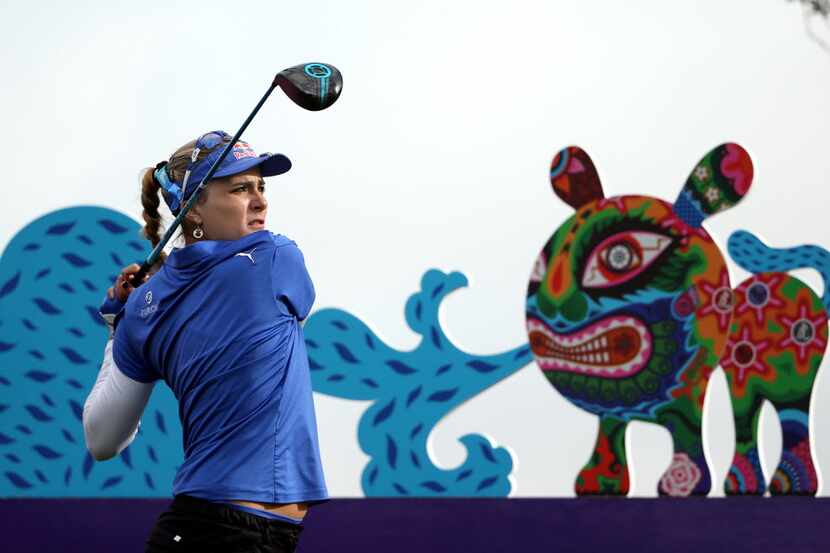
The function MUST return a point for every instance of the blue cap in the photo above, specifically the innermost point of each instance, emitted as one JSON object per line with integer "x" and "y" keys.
{"x": 239, "y": 159}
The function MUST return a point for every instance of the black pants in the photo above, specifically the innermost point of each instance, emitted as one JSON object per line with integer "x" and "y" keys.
{"x": 197, "y": 525}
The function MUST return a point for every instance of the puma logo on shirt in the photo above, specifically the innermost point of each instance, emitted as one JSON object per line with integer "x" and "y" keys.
{"x": 249, "y": 255}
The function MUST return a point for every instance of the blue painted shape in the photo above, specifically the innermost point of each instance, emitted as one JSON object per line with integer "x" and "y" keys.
{"x": 400, "y": 367}
{"x": 60, "y": 228}
{"x": 68, "y": 436}
{"x": 48, "y": 360}
{"x": 18, "y": 481}
{"x": 127, "y": 457}
{"x": 160, "y": 422}
{"x": 73, "y": 356}
{"x": 345, "y": 354}
{"x": 77, "y": 410}
{"x": 112, "y": 481}
{"x": 9, "y": 286}
{"x": 412, "y": 391}
{"x": 94, "y": 315}
{"x": 384, "y": 413}
{"x": 46, "y": 306}
{"x": 47, "y": 452}
{"x": 76, "y": 260}
{"x": 443, "y": 395}
{"x": 114, "y": 227}
{"x": 433, "y": 486}
{"x": 38, "y": 414}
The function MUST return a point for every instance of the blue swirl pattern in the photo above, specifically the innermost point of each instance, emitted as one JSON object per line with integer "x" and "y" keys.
{"x": 411, "y": 392}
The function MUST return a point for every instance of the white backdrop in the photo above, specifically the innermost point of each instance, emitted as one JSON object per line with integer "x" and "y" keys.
{"x": 437, "y": 156}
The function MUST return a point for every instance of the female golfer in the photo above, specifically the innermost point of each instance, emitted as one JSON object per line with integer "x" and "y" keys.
{"x": 219, "y": 322}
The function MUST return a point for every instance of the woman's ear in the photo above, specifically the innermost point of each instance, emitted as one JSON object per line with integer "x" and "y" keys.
{"x": 194, "y": 217}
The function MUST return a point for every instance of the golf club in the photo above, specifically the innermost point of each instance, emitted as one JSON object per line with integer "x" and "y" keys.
{"x": 312, "y": 86}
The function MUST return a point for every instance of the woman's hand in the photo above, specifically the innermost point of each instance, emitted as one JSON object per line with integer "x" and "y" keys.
{"x": 122, "y": 288}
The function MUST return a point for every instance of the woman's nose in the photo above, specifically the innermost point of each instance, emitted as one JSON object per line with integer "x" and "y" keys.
{"x": 258, "y": 200}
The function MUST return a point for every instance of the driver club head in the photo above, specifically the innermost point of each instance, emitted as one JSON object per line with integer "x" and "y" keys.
{"x": 313, "y": 86}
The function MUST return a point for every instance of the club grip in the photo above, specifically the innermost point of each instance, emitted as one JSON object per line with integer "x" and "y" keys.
{"x": 137, "y": 278}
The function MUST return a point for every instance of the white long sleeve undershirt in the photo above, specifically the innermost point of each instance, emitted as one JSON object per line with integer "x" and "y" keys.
{"x": 113, "y": 409}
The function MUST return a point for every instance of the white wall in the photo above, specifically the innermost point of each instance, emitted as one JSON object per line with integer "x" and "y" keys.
{"x": 436, "y": 155}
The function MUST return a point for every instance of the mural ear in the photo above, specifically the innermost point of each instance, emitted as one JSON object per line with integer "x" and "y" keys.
{"x": 719, "y": 181}
{"x": 574, "y": 177}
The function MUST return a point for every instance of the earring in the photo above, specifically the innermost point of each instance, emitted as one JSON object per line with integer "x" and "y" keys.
{"x": 198, "y": 233}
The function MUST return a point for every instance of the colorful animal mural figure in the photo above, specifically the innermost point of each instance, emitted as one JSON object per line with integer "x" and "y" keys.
{"x": 775, "y": 348}
{"x": 629, "y": 308}
{"x": 411, "y": 392}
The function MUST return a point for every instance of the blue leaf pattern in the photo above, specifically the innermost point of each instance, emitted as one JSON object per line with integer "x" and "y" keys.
{"x": 10, "y": 285}
{"x": 384, "y": 413}
{"x": 60, "y": 228}
{"x": 47, "y": 452}
{"x": 76, "y": 260}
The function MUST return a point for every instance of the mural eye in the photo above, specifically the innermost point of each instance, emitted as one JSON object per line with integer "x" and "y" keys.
{"x": 621, "y": 257}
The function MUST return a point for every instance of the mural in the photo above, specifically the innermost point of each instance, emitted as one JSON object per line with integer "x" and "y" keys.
{"x": 776, "y": 346}
{"x": 53, "y": 275}
{"x": 628, "y": 311}
{"x": 412, "y": 391}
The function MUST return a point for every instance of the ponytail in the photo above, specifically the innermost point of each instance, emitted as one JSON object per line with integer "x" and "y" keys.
{"x": 151, "y": 201}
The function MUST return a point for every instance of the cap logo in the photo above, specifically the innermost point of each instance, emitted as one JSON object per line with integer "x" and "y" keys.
{"x": 242, "y": 150}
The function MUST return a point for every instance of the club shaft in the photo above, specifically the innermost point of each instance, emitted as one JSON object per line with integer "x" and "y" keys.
{"x": 154, "y": 255}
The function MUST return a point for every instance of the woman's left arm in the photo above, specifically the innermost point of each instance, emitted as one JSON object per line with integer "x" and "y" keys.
{"x": 112, "y": 411}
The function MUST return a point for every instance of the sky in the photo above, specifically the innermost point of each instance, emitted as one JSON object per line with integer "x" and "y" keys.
{"x": 436, "y": 156}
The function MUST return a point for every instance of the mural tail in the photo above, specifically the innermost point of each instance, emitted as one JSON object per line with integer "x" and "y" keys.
{"x": 751, "y": 254}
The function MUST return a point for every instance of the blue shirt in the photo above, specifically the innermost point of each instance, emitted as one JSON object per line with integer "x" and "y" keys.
{"x": 219, "y": 323}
